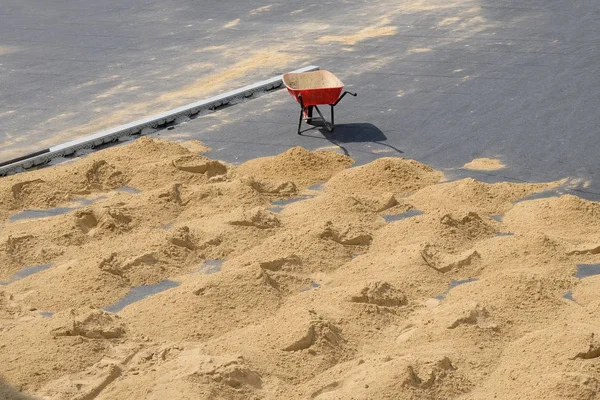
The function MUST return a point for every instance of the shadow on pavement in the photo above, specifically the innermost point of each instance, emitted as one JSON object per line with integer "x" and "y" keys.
{"x": 355, "y": 133}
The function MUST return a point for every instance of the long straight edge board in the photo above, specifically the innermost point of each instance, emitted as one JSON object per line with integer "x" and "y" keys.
{"x": 134, "y": 128}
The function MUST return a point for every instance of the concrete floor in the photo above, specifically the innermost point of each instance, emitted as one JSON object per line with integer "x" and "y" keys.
{"x": 442, "y": 82}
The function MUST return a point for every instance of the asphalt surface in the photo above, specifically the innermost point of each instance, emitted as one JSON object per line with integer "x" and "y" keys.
{"x": 442, "y": 82}
{"x": 69, "y": 69}
{"x": 452, "y": 82}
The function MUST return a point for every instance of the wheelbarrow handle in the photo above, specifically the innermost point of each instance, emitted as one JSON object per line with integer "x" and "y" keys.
{"x": 342, "y": 96}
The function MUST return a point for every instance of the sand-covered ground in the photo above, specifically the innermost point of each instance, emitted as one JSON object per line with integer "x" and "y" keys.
{"x": 292, "y": 277}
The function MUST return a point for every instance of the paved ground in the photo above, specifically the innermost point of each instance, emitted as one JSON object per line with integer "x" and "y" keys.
{"x": 68, "y": 68}
{"x": 439, "y": 81}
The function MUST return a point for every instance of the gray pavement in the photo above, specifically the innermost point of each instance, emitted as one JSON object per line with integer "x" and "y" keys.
{"x": 450, "y": 82}
{"x": 69, "y": 69}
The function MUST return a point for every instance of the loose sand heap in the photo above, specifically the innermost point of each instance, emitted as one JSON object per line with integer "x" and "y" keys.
{"x": 380, "y": 284}
{"x": 484, "y": 164}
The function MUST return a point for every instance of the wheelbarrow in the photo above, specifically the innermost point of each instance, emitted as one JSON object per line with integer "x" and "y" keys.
{"x": 311, "y": 89}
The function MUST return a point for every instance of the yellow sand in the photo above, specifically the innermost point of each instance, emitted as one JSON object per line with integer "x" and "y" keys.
{"x": 379, "y": 29}
{"x": 322, "y": 300}
{"x": 484, "y": 164}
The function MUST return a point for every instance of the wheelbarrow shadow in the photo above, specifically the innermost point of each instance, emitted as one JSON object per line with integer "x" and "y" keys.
{"x": 353, "y": 133}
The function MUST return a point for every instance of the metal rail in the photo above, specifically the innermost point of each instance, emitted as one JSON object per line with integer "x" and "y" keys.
{"x": 135, "y": 128}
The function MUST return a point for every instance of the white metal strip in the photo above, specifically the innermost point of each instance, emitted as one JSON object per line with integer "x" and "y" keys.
{"x": 136, "y": 127}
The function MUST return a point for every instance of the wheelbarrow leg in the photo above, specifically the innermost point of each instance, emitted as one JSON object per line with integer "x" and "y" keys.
{"x": 301, "y": 113}
{"x": 309, "y": 115}
{"x": 328, "y": 125}
{"x": 300, "y": 120}
{"x": 332, "y": 116}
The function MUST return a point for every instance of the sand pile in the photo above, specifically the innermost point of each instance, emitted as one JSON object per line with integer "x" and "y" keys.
{"x": 298, "y": 165}
{"x": 562, "y": 368}
{"x": 484, "y": 164}
{"x": 567, "y": 217}
{"x": 206, "y": 306}
{"x": 475, "y": 196}
{"x": 395, "y": 175}
{"x": 49, "y": 348}
{"x": 145, "y": 164}
{"x": 195, "y": 146}
{"x": 205, "y": 280}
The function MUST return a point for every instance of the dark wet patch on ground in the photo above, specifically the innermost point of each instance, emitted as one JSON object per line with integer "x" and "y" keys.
{"x": 25, "y": 272}
{"x": 138, "y": 293}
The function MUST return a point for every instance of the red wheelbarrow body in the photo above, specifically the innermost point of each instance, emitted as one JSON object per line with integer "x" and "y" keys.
{"x": 311, "y": 89}
{"x": 318, "y": 87}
